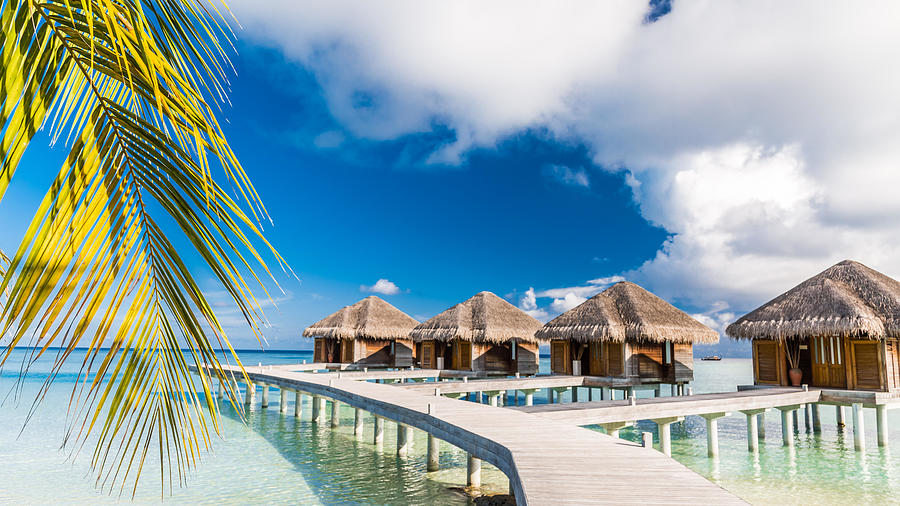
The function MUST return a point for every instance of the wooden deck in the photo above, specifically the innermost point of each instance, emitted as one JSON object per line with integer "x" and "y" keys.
{"x": 589, "y": 413}
{"x": 547, "y": 461}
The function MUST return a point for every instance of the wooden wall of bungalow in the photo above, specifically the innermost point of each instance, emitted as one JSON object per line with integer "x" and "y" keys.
{"x": 463, "y": 355}
{"x": 648, "y": 361}
{"x": 374, "y": 352}
{"x": 831, "y": 362}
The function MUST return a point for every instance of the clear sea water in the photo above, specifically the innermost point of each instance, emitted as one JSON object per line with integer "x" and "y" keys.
{"x": 275, "y": 459}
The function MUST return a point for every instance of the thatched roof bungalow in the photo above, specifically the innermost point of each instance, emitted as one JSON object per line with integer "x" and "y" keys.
{"x": 484, "y": 333}
{"x": 626, "y": 331}
{"x": 369, "y": 332}
{"x": 839, "y": 328}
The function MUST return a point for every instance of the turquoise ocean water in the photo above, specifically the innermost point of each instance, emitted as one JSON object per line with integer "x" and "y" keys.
{"x": 277, "y": 459}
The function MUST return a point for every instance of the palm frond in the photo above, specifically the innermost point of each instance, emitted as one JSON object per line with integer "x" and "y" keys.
{"x": 127, "y": 85}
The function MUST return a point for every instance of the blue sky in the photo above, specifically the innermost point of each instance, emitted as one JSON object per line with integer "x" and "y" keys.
{"x": 542, "y": 153}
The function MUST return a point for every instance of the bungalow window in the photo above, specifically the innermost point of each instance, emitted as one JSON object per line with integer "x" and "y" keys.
{"x": 513, "y": 350}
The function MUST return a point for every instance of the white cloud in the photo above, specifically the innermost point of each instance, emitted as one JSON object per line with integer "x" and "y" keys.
{"x": 329, "y": 139}
{"x": 563, "y": 299}
{"x": 528, "y": 304}
{"x": 382, "y": 286}
{"x": 567, "y": 175}
{"x": 763, "y": 136}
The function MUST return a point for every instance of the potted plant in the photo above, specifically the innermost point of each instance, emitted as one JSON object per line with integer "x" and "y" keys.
{"x": 792, "y": 348}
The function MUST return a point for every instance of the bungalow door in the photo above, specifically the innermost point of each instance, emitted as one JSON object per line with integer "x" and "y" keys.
{"x": 464, "y": 350}
{"x": 559, "y": 357}
{"x": 867, "y": 364}
{"x": 596, "y": 363}
{"x": 828, "y": 368}
{"x": 347, "y": 347}
{"x": 319, "y": 350}
{"x": 427, "y": 355}
{"x": 615, "y": 359}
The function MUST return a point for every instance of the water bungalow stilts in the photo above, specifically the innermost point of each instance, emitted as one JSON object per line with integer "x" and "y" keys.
{"x": 484, "y": 334}
{"x": 370, "y": 332}
{"x": 839, "y": 329}
{"x": 626, "y": 332}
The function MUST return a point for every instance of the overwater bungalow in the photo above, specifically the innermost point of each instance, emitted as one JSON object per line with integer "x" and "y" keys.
{"x": 484, "y": 333}
{"x": 837, "y": 329}
{"x": 371, "y": 332}
{"x": 626, "y": 332}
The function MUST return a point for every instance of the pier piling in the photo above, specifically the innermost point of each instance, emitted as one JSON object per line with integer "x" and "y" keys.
{"x": 859, "y": 431}
{"x": 265, "y": 396}
{"x": 816, "y": 419}
{"x": 378, "y": 439}
{"x": 433, "y": 454}
{"x": 335, "y": 413}
{"x": 612, "y": 429}
{"x": 712, "y": 433}
{"x": 404, "y": 439}
{"x": 250, "y": 395}
{"x": 881, "y": 421}
{"x": 473, "y": 472}
{"x": 318, "y": 405}
{"x": 788, "y": 413}
{"x": 839, "y": 415}
{"x": 298, "y": 404}
{"x": 283, "y": 401}
{"x": 358, "y": 423}
{"x": 665, "y": 433}
{"x": 753, "y": 428}
{"x": 529, "y": 396}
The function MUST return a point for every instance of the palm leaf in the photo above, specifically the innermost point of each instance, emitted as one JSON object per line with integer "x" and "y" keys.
{"x": 127, "y": 85}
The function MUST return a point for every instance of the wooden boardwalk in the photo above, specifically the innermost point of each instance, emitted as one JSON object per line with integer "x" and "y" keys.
{"x": 589, "y": 413}
{"x": 547, "y": 461}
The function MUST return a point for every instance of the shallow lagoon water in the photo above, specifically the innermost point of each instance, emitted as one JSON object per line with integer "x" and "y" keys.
{"x": 276, "y": 459}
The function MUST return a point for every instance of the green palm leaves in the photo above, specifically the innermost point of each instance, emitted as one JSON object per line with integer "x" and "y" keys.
{"x": 123, "y": 83}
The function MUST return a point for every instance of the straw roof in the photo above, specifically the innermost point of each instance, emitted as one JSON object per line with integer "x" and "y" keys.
{"x": 625, "y": 311}
{"x": 370, "y": 318}
{"x": 482, "y": 318}
{"x": 847, "y": 299}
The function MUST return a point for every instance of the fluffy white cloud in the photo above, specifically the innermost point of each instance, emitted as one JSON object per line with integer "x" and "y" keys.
{"x": 528, "y": 304}
{"x": 764, "y": 136}
{"x": 382, "y": 286}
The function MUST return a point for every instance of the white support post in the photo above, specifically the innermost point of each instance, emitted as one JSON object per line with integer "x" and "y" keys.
{"x": 859, "y": 430}
{"x": 665, "y": 433}
{"x": 250, "y": 395}
{"x": 433, "y": 457}
{"x": 298, "y": 404}
{"x": 761, "y": 425}
{"x": 816, "y": 420}
{"x": 221, "y": 393}
{"x": 529, "y": 396}
{"x": 317, "y": 408}
{"x": 612, "y": 429}
{"x": 283, "y": 401}
{"x": 753, "y": 428}
{"x": 335, "y": 413}
{"x": 378, "y": 438}
{"x": 404, "y": 439}
{"x": 712, "y": 433}
{"x": 881, "y": 420}
{"x": 265, "y": 395}
{"x": 788, "y": 413}
{"x": 358, "y": 423}
{"x": 839, "y": 415}
{"x": 473, "y": 472}
{"x": 493, "y": 397}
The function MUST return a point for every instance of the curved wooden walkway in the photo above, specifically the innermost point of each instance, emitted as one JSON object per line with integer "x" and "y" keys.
{"x": 547, "y": 461}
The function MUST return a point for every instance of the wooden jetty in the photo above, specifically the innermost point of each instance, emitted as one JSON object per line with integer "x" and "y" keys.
{"x": 547, "y": 461}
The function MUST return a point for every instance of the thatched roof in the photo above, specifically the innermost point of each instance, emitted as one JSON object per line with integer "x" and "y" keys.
{"x": 370, "y": 318}
{"x": 847, "y": 299}
{"x": 625, "y": 311}
{"x": 482, "y": 318}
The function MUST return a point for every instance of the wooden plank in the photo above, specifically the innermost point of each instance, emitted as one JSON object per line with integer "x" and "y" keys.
{"x": 548, "y": 462}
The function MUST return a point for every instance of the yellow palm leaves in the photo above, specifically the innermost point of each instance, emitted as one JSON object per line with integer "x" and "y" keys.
{"x": 125, "y": 84}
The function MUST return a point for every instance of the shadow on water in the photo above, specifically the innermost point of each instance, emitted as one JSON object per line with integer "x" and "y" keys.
{"x": 340, "y": 469}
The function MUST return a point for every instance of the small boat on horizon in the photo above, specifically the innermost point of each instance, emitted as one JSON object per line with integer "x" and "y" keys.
{"x": 711, "y": 357}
